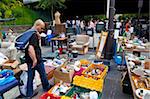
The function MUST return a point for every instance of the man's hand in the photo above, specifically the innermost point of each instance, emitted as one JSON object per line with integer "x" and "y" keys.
{"x": 34, "y": 63}
{"x": 32, "y": 55}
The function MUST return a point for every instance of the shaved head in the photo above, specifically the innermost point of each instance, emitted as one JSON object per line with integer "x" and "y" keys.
{"x": 39, "y": 25}
{"x": 38, "y": 22}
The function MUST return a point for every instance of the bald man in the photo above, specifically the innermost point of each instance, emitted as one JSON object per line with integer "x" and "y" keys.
{"x": 33, "y": 59}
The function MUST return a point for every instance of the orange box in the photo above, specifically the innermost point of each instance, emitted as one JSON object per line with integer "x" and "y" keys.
{"x": 93, "y": 66}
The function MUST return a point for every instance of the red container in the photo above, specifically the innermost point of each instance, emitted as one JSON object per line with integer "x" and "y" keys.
{"x": 46, "y": 95}
{"x": 60, "y": 50}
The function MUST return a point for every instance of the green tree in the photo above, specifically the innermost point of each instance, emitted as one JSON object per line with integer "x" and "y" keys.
{"x": 52, "y": 5}
{"x": 7, "y": 6}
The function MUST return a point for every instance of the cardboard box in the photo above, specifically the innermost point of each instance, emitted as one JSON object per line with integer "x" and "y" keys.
{"x": 49, "y": 71}
{"x": 65, "y": 77}
{"x": 10, "y": 64}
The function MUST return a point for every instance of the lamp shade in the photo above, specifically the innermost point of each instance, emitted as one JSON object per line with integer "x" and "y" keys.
{"x": 140, "y": 3}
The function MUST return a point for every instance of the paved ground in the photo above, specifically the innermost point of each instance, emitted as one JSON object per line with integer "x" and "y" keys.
{"x": 112, "y": 86}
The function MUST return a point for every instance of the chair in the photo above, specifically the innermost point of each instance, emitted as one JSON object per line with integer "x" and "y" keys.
{"x": 81, "y": 44}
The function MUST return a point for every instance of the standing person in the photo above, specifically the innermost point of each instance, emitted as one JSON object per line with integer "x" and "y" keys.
{"x": 118, "y": 26}
{"x": 77, "y": 23}
{"x": 122, "y": 27}
{"x": 127, "y": 30}
{"x": 68, "y": 23}
{"x": 82, "y": 25}
{"x": 91, "y": 24}
{"x": 127, "y": 26}
{"x": 33, "y": 59}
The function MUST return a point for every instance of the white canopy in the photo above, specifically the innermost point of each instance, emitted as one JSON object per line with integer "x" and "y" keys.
{"x": 29, "y": 1}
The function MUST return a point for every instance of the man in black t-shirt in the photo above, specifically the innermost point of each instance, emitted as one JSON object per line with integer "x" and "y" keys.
{"x": 34, "y": 60}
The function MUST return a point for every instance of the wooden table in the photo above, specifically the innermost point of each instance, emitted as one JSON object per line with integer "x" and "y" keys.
{"x": 133, "y": 50}
{"x": 136, "y": 50}
{"x": 60, "y": 41}
{"x": 131, "y": 80}
{"x": 134, "y": 79}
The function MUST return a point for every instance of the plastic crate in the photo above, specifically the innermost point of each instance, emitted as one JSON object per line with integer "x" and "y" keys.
{"x": 91, "y": 67}
{"x": 76, "y": 89}
{"x": 84, "y": 62}
{"x": 65, "y": 97}
{"x": 89, "y": 83}
{"x": 55, "y": 88}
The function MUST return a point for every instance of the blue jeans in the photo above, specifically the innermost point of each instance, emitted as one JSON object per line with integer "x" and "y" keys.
{"x": 78, "y": 30}
{"x": 31, "y": 73}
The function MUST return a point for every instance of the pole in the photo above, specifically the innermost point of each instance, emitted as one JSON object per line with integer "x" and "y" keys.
{"x": 139, "y": 13}
{"x": 111, "y": 16}
{"x": 140, "y": 4}
{"x": 108, "y": 53}
{"x": 108, "y": 4}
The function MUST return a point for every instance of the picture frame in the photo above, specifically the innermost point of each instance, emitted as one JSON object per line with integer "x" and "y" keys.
{"x": 101, "y": 44}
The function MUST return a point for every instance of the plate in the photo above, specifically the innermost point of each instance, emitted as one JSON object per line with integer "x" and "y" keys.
{"x": 142, "y": 93}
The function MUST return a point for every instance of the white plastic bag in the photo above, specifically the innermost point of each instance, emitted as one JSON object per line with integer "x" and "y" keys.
{"x": 93, "y": 95}
{"x": 23, "y": 81}
{"x": 3, "y": 58}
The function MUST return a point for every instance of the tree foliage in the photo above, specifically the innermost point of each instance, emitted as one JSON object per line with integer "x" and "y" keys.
{"x": 52, "y": 5}
{"x": 7, "y": 6}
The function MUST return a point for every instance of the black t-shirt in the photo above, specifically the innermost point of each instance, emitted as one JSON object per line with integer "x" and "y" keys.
{"x": 34, "y": 41}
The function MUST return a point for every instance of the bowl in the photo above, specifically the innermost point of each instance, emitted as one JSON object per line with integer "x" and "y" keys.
{"x": 141, "y": 93}
{"x": 129, "y": 45}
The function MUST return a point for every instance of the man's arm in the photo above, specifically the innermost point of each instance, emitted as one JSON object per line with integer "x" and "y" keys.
{"x": 32, "y": 55}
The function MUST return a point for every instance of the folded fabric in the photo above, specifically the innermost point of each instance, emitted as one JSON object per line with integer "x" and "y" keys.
{"x": 5, "y": 73}
{"x": 6, "y": 76}
{"x": 8, "y": 86}
{"x": 4, "y": 81}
